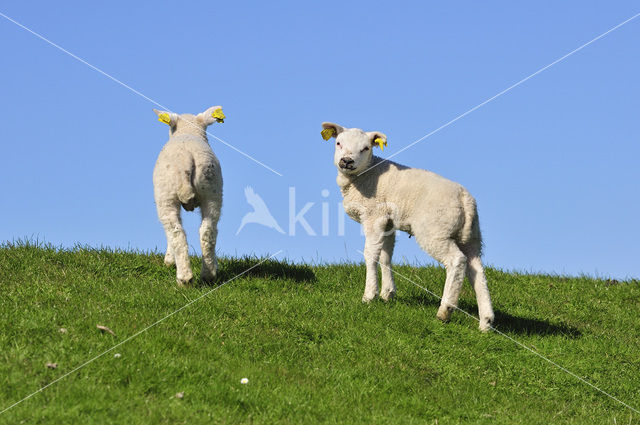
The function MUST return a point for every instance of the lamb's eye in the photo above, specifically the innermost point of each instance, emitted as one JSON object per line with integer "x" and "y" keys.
{"x": 337, "y": 143}
{"x": 365, "y": 149}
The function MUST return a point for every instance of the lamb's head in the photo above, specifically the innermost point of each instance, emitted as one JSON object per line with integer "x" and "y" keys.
{"x": 353, "y": 147}
{"x": 188, "y": 123}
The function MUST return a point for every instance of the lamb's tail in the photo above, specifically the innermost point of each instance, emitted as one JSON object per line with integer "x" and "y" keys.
{"x": 186, "y": 192}
{"x": 471, "y": 228}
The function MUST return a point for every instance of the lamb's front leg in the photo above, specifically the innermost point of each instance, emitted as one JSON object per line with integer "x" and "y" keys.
{"x": 372, "y": 247}
{"x": 169, "y": 259}
{"x": 388, "y": 290}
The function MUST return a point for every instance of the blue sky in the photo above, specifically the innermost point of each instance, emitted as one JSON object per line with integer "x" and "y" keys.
{"x": 553, "y": 163}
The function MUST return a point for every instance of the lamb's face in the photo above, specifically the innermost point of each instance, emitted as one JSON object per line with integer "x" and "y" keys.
{"x": 353, "y": 147}
{"x": 352, "y": 151}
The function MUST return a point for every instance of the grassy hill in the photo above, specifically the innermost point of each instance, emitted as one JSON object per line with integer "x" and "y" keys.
{"x": 313, "y": 353}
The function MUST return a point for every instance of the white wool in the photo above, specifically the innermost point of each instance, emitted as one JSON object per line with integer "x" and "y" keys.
{"x": 384, "y": 197}
{"x": 187, "y": 174}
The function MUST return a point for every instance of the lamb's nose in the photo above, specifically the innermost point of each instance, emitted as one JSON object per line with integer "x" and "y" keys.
{"x": 345, "y": 162}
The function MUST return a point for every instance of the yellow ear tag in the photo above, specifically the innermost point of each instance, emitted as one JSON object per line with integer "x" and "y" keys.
{"x": 218, "y": 115}
{"x": 165, "y": 118}
{"x": 381, "y": 143}
{"x": 327, "y": 133}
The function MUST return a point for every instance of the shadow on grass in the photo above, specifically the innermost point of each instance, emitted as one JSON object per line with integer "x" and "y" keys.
{"x": 270, "y": 269}
{"x": 504, "y": 322}
{"x": 508, "y": 323}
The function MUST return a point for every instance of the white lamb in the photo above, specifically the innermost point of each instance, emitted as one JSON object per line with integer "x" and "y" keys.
{"x": 188, "y": 174}
{"x": 384, "y": 197}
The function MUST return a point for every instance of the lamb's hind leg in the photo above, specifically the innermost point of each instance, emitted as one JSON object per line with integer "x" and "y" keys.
{"x": 475, "y": 272}
{"x": 446, "y": 251}
{"x": 169, "y": 215}
{"x": 388, "y": 290}
{"x": 208, "y": 235}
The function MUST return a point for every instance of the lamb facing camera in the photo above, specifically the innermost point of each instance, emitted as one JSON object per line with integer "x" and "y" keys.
{"x": 384, "y": 197}
{"x": 187, "y": 174}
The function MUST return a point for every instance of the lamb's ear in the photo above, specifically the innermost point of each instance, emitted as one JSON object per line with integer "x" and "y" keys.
{"x": 211, "y": 115}
{"x": 377, "y": 139}
{"x": 330, "y": 130}
{"x": 166, "y": 117}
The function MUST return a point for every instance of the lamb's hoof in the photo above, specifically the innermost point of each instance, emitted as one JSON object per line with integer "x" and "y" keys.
{"x": 388, "y": 295}
{"x": 185, "y": 280}
{"x": 207, "y": 277}
{"x": 444, "y": 313}
{"x": 368, "y": 298}
{"x": 485, "y": 324}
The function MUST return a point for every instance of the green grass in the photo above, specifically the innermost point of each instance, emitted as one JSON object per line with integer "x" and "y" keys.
{"x": 313, "y": 353}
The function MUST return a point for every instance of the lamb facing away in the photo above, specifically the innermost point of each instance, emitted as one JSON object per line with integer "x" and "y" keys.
{"x": 384, "y": 197}
{"x": 188, "y": 174}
